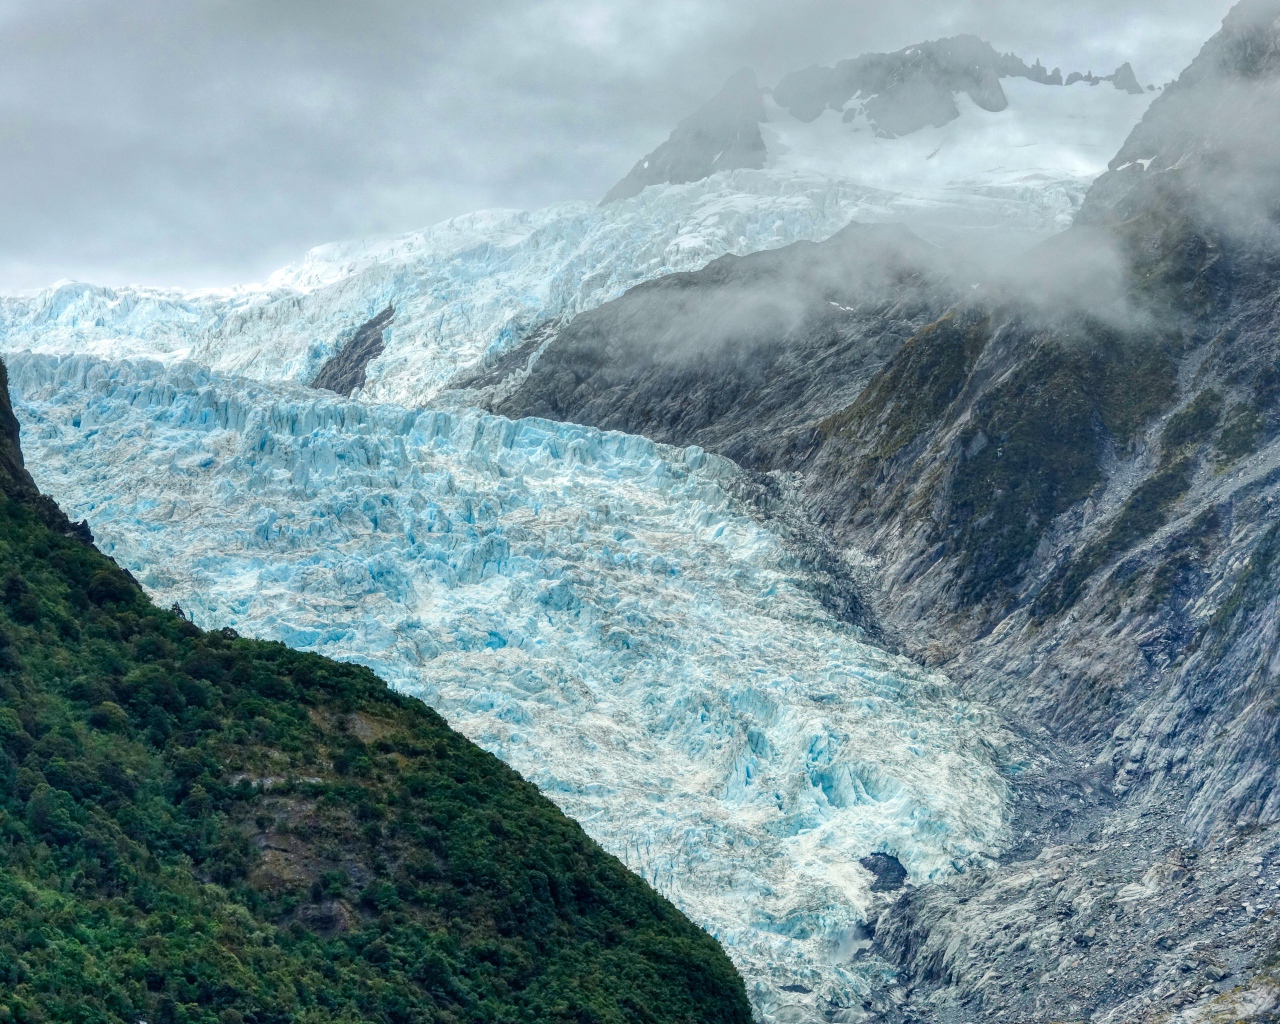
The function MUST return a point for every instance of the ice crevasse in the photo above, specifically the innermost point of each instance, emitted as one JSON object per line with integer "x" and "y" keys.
{"x": 600, "y": 611}
{"x": 468, "y": 289}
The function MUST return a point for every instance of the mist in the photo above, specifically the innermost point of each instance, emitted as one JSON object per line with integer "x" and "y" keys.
{"x": 210, "y": 142}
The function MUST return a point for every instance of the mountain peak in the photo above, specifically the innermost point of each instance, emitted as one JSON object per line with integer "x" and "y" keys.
{"x": 918, "y": 90}
{"x": 723, "y": 134}
{"x": 1211, "y": 132}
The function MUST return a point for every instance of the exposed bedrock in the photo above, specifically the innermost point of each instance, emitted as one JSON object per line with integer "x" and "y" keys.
{"x": 1066, "y": 482}
{"x": 345, "y": 372}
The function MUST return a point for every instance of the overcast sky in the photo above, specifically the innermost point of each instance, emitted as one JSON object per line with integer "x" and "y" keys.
{"x": 205, "y": 142}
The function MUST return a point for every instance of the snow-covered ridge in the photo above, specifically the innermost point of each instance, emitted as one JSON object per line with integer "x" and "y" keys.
{"x": 598, "y": 610}
{"x": 466, "y": 290}
{"x": 1047, "y": 133}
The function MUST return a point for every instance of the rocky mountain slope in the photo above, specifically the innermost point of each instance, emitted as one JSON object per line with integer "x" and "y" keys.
{"x": 203, "y": 828}
{"x": 468, "y": 291}
{"x": 939, "y": 114}
{"x": 1064, "y": 489}
{"x": 1055, "y": 482}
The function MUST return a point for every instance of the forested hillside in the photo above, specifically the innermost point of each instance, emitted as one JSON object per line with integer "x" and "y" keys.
{"x": 200, "y": 827}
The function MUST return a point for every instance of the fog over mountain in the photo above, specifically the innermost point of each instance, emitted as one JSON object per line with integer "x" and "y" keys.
{"x": 847, "y": 484}
{"x": 209, "y": 142}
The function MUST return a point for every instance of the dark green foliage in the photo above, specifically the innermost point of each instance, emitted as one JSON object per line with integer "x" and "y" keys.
{"x": 1242, "y": 433}
{"x": 1145, "y": 512}
{"x": 917, "y": 387}
{"x": 1148, "y": 506}
{"x": 196, "y": 827}
{"x": 1184, "y": 560}
{"x": 1255, "y": 585}
{"x": 1194, "y": 424}
{"x": 1034, "y": 448}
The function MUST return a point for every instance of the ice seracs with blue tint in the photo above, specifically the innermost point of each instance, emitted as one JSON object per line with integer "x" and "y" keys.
{"x": 467, "y": 290}
{"x": 601, "y": 612}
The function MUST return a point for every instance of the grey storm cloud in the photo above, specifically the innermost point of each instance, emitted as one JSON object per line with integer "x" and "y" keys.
{"x": 201, "y": 142}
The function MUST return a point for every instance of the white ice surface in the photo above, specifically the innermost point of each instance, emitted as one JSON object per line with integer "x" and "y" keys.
{"x": 1047, "y": 134}
{"x": 469, "y": 288}
{"x": 597, "y": 610}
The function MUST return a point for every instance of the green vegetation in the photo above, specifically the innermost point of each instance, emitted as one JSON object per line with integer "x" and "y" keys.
{"x": 917, "y": 387}
{"x": 196, "y": 827}
{"x": 1242, "y": 432}
{"x": 1194, "y": 424}
{"x": 1034, "y": 447}
{"x": 1185, "y": 556}
{"x": 1254, "y": 586}
{"x": 1145, "y": 512}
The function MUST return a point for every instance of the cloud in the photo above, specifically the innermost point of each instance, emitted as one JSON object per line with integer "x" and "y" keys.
{"x": 212, "y": 140}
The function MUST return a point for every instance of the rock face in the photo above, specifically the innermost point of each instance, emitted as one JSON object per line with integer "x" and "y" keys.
{"x": 905, "y": 91}
{"x": 1066, "y": 486}
{"x": 724, "y": 135}
{"x": 793, "y": 335}
{"x": 1126, "y": 80}
{"x": 345, "y": 372}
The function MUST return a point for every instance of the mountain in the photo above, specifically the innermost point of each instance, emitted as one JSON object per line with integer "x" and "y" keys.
{"x": 199, "y": 827}
{"x": 724, "y": 135}
{"x": 954, "y": 693}
{"x": 1063, "y": 489}
{"x": 792, "y": 334}
{"x": 467, "y": 292}
{"x": 944, "y": 115}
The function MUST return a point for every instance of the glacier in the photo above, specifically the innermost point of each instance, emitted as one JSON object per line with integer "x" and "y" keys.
{"x": 467, "y": 290}
{"x": 610, "y": 616}
{"x": 602, "y": 612}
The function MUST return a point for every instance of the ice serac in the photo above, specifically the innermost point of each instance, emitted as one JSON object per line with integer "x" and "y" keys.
{"x": 724, "y": 135}
{"x": 467, "y": 291}
{"x": 600, "y": 611}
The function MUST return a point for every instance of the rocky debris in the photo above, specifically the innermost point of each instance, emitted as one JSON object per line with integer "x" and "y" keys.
{"x": 889, "y": 872}
{"x": 722, "y": 135}
{"x": 1074, "y": 514}
{"x": 345, "y": 372}
{"x": 1127, "y": 927}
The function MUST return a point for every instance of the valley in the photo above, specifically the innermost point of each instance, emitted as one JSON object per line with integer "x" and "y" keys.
{"x": 785, "y": 525}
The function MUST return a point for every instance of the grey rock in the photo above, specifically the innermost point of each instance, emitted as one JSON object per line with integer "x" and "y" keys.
{"x": 1126, "y": 80}
{"x": 723, "y": 135}
{"x": 345, "y": 372}
{"x": 890, "y": 874}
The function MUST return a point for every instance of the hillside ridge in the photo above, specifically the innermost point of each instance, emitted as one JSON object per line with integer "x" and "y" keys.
{"x": 199, "y": 827}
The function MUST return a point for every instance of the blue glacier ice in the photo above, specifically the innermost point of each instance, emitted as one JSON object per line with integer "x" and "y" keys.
{"x": 466, "y": 290}
{"x": 599, "y": 611}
